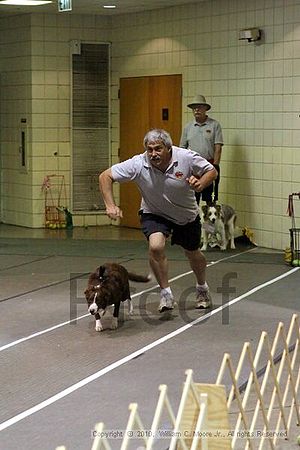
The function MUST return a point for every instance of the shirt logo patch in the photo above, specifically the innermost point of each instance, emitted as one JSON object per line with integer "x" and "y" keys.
{"x": 178, "y": 175}
{"x": 208, "y": 131}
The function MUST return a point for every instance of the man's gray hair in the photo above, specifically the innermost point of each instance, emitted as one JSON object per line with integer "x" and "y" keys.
{"x": 158, "y": 135}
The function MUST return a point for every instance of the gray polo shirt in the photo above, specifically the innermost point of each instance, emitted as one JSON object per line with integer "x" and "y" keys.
{"x": 202, "y": 137}
{"x": 166, "y": 194}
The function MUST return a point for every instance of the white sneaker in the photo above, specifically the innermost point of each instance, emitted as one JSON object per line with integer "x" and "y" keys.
{"x": 203, "y": 300}
{"x": 166, "y": 303}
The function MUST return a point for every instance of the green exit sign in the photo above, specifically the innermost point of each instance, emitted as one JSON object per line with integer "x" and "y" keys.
{"x": 64, "y": 5}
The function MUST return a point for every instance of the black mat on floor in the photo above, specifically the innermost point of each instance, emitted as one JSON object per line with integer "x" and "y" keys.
{"x": 248, "y": 258}
{"x": 72, "y": 247}
{"x": 111, "y": 249}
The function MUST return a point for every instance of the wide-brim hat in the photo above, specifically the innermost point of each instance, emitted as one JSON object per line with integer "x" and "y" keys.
{"x": 199, "y": 100}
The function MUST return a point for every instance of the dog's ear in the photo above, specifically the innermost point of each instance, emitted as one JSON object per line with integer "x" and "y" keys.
{"x": 204, "y": 208}
{"x": 101, "y": 271}
{"x": 218, "y": 208}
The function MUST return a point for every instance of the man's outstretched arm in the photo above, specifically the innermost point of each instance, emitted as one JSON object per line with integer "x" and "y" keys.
{"x": 106, "y": 188}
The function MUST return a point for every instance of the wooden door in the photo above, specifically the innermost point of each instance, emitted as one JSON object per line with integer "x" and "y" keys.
{"x": 165, "y": 103}
{"x": 145, "y": 103}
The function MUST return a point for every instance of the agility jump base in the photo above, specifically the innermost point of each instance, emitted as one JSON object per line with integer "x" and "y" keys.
{"x": 249, "y": 407}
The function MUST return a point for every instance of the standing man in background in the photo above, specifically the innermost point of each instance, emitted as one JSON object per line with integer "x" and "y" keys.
{"x": 204, "y": 136}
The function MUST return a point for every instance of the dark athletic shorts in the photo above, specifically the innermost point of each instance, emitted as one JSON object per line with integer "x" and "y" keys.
{"x": 187, "y": 236}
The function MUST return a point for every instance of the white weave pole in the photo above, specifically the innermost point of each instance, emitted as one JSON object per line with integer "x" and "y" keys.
{"x": 134, "y": 418}
{"x": 176, "y": 433}
{"x": 297, "y": 389}
{"x": 237, "y": 374}
{"x": 235, "y": 391}
{"x": 99, "y": 440}
{"x": 162, "y": 401}
{"x": 290, "y": 364}
{"x": 295, "y": 324}
{"x": 201, "y": 422}
{"x": 254, "y": 379}
{"x": 263, "y": 343}
{"x": 276, "y": 383}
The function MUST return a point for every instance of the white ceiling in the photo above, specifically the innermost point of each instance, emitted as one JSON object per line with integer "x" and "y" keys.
{"x": 95, "y": 7}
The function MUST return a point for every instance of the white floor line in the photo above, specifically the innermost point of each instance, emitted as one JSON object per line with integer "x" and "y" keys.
{"x": 13, "y": 420}
{"x": 68, "y": 322}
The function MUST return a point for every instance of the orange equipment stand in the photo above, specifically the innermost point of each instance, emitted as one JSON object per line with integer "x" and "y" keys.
{"x": 55, "y": 201}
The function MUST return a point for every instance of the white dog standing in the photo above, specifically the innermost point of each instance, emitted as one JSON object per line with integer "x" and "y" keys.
{"x": 218, "y": 221}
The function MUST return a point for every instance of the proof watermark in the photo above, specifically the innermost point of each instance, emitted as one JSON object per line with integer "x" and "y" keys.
{"x": 214, "y": 434}
{"x": 225, "y": 290}
{"x": 142, "y": 302}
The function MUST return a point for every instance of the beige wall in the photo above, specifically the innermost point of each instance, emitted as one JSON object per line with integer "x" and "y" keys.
{"x": 35, "y": 85}
{"x": 15, "y": 69}
{"x": 254, "y": 90}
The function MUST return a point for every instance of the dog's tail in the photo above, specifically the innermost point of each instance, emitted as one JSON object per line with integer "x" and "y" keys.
{"x": 139, "y": 278}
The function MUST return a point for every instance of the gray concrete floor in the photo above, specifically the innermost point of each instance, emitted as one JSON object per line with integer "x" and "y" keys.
{"x": 59, "y": 379}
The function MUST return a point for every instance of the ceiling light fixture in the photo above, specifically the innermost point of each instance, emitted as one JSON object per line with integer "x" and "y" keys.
{"x": 109, "y": 6}
{"x": 25, "y": 2}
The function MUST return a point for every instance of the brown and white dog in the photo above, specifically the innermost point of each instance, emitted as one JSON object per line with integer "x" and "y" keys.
{"x": 218, "y": 224}
{"x": 107, "y": 286}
